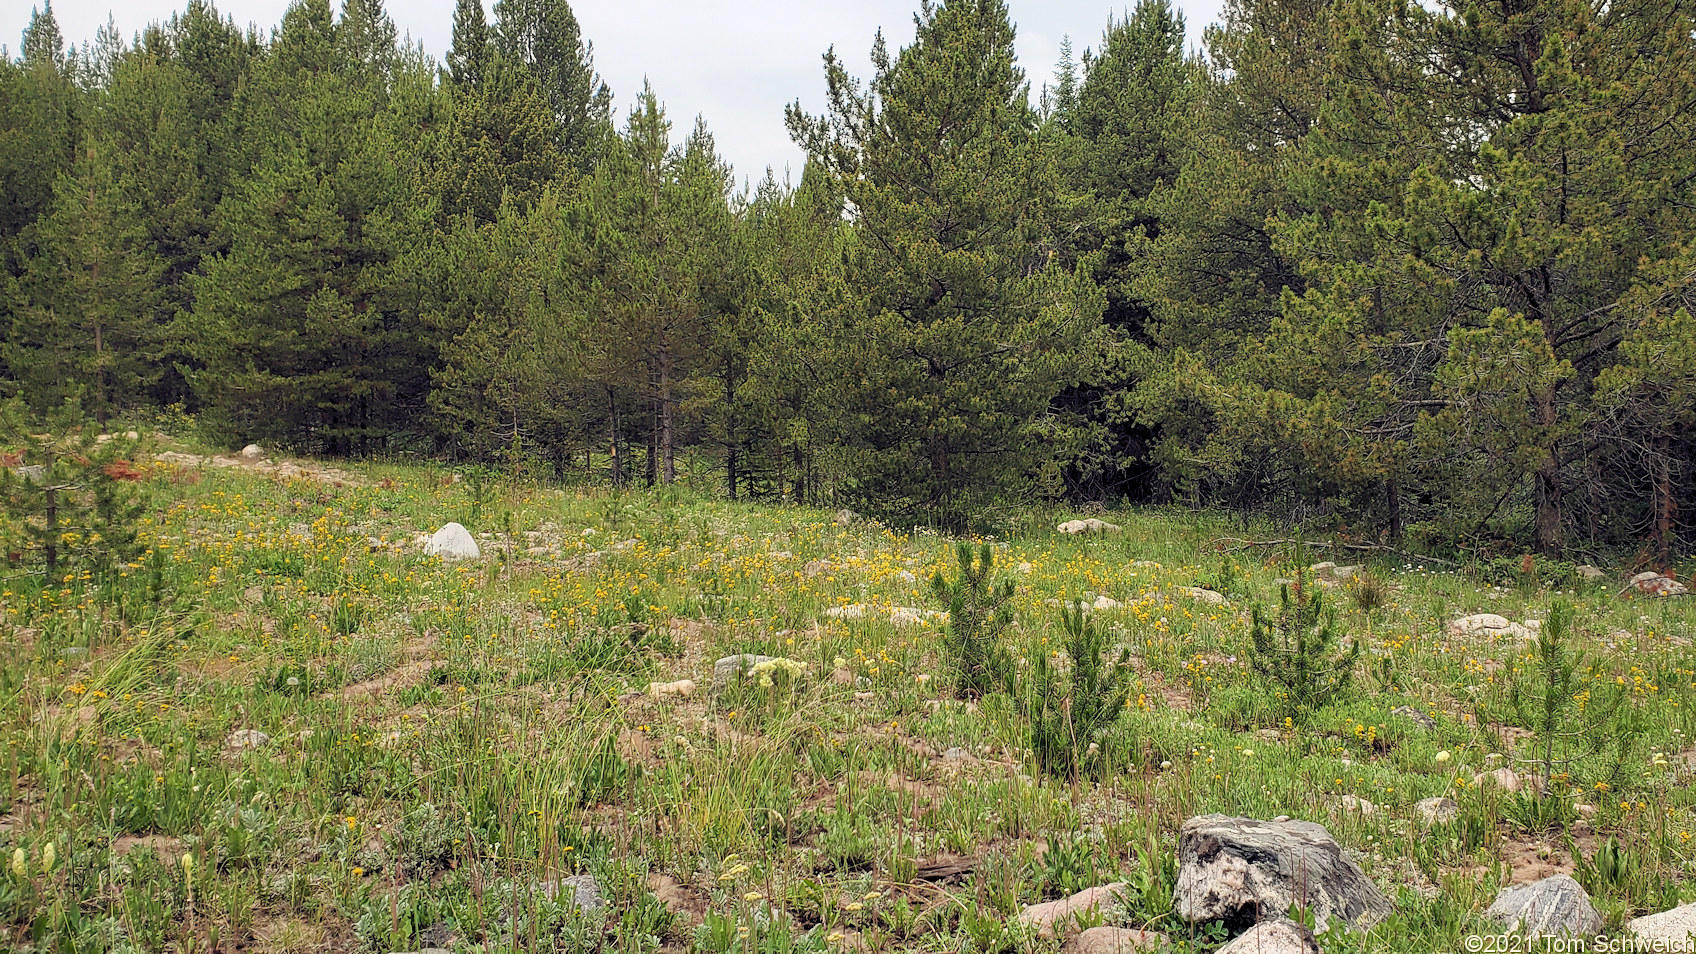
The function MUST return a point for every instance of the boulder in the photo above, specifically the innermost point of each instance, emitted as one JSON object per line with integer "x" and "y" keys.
{"x": 1489, "y": 624}
{"x": 846, "y": 517}
{"x": 452, "y": 542}
{"x": 1437, "y": 811}
{"x": 1105, "y": 603}
{"x": 1200, "y": 595}
{"x": 1669, "y": 927}
{"x": 1243, "y": 870}
{"x": 1556, "y": 905}
{"x": 851, "y": 611}
{"x": 1088, "y": 525}
{"x": 1282, "y": 936}
{"x": 1657, "y": 584}
{"x": 252, "y": 452}
{"x": 1112, "y": 940}
{"x": 1058, "y": 918}
{"x": 735, "y": 667}
{"x": 1588, "y": 573}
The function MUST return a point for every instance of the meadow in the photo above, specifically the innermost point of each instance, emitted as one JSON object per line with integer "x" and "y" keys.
{"x": 285, "y": 728}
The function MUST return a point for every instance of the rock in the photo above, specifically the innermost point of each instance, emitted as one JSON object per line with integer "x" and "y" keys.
{"x": 1331, "y": 571}
{"x": 814, "y": 567}
{"x": 1240, "y": 870}
{"x": 682, "y": 687}
{"x": 851, "y": 611}
{"x": 452, "y": 542}
{"x": 1105, "y": 603}
{"x": 1415, "y": 716}
{"x": 1362, "y": 807}
{"x": 955, "y": 753}
{"x": 1058, "y": 918}
{"x": 1112, "y": 940}
{"x": 1672, "y": 927}
{"x": 1025, "y": 566}
{"x": 1556, "y": 905}
{"x": 246, "y": 739}
{"x": 427, "y": 950}
{"x": 1505, "y": 779}
{"x": 1203, "y": 596}
{"x": 842, "y": 676}
{"x": 1656, "y": 584}
{"x": 1588, "y": 573}
{"x": 1282, "y": 936}
{"x": 1437, "y": 811}
{"x": 905, "y": 616}
{"x": 252, "y": 452}
{"x": 585, "y": 893}
{"x": 1489, "y": 624}
{"x": 846, "y": 517}
{"x": 1088, "y": 525}
{"x": 735, "y": 667}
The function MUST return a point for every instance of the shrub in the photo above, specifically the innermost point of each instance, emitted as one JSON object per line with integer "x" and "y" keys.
{"x": 1298, "y": 649}
{"x": 977, "y": 615}
{"x": 1071, "y": 710}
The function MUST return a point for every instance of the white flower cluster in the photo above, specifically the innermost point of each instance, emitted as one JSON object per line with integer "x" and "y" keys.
{"x": 782, "y": 664}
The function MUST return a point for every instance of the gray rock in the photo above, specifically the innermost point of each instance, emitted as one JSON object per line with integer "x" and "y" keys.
{"x": 1210, "y": 597}
{"x": 846, "y": 517}
{"x": 34, "y": 473}
{"x": 453, "y": 542}
{"x": 1588, "y": 573}
{"x": 1655, "y": 584}
{"x": 252, "y": 452}
{"x": 584, "y": 893}
{"x": 1414, "y": 715}
{"x": 735, "y": 667}
{"x": 1243, "y": 870}
{"x": 1556, "y": 905}
{"x": 1088, "y": 525}
{"x": 246, "y": 739}
{"x": 1677, "y": 926}
{"x": 1437, "y": 811}
{"x": 1282, "y": 936}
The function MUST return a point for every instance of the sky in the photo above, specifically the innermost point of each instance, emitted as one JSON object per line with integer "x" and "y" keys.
{"x": 737, "y": 63}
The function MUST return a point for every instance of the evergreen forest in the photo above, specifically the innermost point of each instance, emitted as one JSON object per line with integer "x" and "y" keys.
{"x": 1417, "y": 274}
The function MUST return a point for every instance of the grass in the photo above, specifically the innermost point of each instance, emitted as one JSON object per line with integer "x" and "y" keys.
{"x": 446, "y": 742}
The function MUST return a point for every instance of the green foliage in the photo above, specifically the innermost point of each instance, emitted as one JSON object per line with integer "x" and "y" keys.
{"x": 71, "y": 499}
{"x": 1582, "y": 719}
{"x": 977, "y": 615}
{"x": 1298, "y": 649}
{"x": 1072, "y": 708}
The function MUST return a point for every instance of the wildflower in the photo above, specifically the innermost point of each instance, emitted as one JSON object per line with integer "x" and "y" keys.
{"x": 49, "y": 855}
{"x": 358, "y": 872}
{"x": 752, "y": 896}
{"x": 853, "y": 906}
{"x": 1443, "y": 756}
{"x": 20, "y": 863}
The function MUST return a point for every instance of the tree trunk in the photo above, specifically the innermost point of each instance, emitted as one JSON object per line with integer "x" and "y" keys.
{"x": 668, "y": 436}
{"x": 617, "y": 460}
{"x": 1547, "y": 532}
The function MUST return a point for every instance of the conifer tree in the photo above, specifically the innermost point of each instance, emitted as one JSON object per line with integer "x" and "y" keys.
{"x": 469, "y": 55}
{"x": 543, "y": 36}
{"x": 962, "y": 327}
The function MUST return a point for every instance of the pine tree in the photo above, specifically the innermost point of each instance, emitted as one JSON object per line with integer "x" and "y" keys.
{"x": 469, "y": 56}
{"x": 962, "y": 326}
{"x": 543, "y": 36}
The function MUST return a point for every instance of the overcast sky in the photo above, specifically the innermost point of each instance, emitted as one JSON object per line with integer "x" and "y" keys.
{"x": 736, "y": 62}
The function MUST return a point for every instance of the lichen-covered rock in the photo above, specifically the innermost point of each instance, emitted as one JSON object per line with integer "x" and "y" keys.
{"x": 1437, "y": 811}
{"x": 730, "y": 668}
{"x": 1243, "y": 870}
{"x": 1415, "y": 716}
{"x": 1210, "y": 597}
{"x": 1282, "y": 936}
{"x": 1490, "y": 624}
{"x": 1556, "y": 905}
{"x": 1657, "y": 584}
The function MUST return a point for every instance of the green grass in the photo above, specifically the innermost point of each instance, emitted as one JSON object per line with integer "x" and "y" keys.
{"x": 445, "y": 740}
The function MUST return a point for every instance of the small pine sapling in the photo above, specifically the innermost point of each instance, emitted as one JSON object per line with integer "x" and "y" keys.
{"x": 1298, "y": 649}
{"x": 1071, "y": 710}
{"x": 1575, "y": 713}
{"x": 978, "y": 612}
